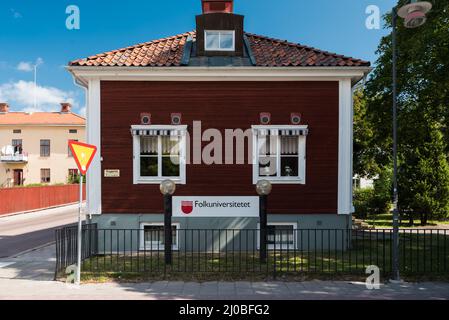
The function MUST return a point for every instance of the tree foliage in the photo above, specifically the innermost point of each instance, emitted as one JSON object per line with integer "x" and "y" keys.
{"x": 423, "y": 114}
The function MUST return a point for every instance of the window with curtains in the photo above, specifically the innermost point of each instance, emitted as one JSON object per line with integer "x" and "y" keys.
{"x": 159, "y": 153}
{"x": 45, "y": 148}
{"x": 279, "y": 154}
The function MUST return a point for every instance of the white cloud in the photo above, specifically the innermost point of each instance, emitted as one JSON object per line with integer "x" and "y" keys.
{"x": 20, "y": 96}
{"x": 29, "y": 66}
{"x": 25, "y": 66}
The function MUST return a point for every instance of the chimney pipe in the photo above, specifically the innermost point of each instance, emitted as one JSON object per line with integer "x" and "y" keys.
{"x": 4, "y": 108}
{"x": 212, "y": 6}
{"x": 66, "y": 107}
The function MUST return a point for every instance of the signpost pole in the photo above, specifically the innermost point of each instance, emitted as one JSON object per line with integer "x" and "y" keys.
{"x": 78, "y": 264}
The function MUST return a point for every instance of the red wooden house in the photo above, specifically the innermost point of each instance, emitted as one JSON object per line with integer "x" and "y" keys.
{"x": 181, "y": 108}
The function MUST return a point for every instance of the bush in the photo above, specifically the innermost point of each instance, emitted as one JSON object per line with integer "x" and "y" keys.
{"x": 362, "y": 202}
{"x": 374, "y": 201}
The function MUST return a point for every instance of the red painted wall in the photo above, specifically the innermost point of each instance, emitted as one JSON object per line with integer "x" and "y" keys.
{"x": 221, "y": 105}
{"x": 25, "y": 199}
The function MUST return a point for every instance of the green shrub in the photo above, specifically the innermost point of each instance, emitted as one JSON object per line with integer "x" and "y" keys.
{"x": 363, "y": 199}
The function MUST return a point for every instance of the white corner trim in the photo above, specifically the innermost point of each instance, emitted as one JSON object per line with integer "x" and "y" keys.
{"x": 345, "y": 148}
{"x": 94, "y": 138}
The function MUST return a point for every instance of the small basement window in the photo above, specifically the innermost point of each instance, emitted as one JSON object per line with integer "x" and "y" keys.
{"x": 279, "y": 154}
{"x": 159, "y": 154}
{"x": 280, "y": 235}
{"x": 153, "y": 236}
{"x": 219, "y": 40}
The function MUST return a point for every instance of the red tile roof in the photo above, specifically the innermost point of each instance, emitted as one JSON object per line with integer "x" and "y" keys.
{"x": 266, "y": 51}
{"x": 41, "y": 118}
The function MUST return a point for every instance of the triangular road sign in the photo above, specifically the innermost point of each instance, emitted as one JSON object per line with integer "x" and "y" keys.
{"x": 83, "y": 154}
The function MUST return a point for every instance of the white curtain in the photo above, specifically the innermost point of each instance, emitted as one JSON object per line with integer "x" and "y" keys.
{"x": 148, "y": 144}
{"x": 170, "y": 145}
{"x": 289, "y": 145}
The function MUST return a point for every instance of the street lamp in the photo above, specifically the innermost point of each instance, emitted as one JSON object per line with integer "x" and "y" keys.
{"x": 414, "y": 15}
{"x": 263, "y": 189}
{"x": 168, "y": 188}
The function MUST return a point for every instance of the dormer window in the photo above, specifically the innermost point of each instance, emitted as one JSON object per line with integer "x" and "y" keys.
{"x": 219, "y": 40}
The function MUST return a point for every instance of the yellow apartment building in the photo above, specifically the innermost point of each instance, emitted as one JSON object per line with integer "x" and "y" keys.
{"x": 34, "y": 146}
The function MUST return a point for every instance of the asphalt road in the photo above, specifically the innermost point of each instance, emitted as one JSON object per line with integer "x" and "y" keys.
{"x": 27, "y": 231}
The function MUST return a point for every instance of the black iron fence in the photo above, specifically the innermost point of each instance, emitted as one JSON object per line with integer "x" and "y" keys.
{"x": 140, "y": 253}
{"x": 67, "y": 246}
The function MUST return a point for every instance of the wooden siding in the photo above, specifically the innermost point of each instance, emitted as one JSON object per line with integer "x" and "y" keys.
{"x": 221, "y": 105}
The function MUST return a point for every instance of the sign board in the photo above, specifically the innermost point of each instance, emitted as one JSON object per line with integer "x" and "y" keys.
{"x": 203, "y": 207}
{"x": 112, "y": 173}
{"x": 83, "y": 155}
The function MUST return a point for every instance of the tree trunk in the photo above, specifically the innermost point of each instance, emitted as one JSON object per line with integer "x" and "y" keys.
{"x": 424, "y": 219}
{"x": 411, "y": 221}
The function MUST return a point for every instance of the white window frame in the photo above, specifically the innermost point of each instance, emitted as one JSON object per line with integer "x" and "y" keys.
{"x": 138, "y": 179}
{"x": 219, "y": 40}
{"x": 301, "y": 179}
{"x": 278, "y": 246}
{"x": 160, "y": 247}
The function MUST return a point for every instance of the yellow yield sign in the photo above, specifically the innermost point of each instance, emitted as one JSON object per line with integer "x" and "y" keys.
{"x": 83, "y": 154}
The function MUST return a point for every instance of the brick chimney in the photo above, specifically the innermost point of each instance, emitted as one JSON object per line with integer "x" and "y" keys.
{"x": 4, "y": 108}
{"x": 66, "y": 107}
{"x": 212, "y": 6}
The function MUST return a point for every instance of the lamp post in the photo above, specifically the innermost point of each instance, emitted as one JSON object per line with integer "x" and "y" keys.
{"x": 263, "y": 189}
{"x": 168, "y": 188}
{"x": 414, "y": 15}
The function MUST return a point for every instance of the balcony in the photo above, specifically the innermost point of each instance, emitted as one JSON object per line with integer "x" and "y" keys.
{"x": 14, "y": 158}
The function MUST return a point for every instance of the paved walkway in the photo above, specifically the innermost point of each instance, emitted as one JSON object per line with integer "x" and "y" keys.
{"x": 30, "y": 275}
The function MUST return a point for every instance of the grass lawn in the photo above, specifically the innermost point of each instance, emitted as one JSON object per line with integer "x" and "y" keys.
{"x": 386, "y": 221}
{"x": 422, "y": 257}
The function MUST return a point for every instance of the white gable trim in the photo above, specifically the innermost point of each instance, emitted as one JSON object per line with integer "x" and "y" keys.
{"x": 83, "y": 74}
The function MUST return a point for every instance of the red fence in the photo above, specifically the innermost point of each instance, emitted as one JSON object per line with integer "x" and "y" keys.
{"x": 26, "y": 199}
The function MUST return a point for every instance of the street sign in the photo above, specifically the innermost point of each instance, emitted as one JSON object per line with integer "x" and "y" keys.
{"x": 83, "y": 154}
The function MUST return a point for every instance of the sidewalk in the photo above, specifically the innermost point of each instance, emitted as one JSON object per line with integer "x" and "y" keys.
{"x": 30, "y": 275}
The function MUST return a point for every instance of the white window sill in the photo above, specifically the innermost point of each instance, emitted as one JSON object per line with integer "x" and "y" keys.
{"x": 281, "y": 181}
{"x": 158, "y": 181}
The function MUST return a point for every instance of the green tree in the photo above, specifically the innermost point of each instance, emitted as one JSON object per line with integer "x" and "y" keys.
{"x": 364, "y": 164}
{"x": 424, "y": 177}
{"x": 423, "y": 112}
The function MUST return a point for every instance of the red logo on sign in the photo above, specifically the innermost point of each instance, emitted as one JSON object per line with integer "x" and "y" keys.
{"x": 187, "y": 207}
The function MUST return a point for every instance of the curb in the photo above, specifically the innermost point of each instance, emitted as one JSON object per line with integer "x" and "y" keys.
{"x": 38, "y": 210}
{"x": 31, "y": 250}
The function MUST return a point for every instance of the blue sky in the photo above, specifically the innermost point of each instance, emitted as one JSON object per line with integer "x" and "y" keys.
{"x": 34, "y": 31}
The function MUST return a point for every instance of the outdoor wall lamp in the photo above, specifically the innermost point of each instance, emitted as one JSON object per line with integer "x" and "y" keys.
{"x": 263, "y": 189}
{"x": 414, "y": 14}
{"x": 168, "y": 188}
